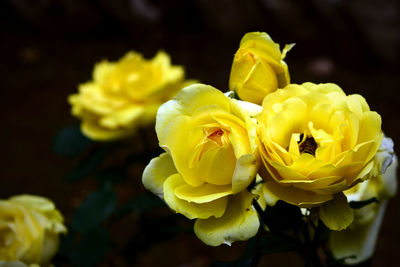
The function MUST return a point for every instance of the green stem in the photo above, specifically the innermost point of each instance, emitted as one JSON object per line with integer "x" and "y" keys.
{"x": 257, "y": 253}
{"x": 311, "y": 254}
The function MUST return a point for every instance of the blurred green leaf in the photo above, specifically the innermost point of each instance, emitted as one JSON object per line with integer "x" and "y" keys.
{"x": 93, "y": 210}
{"x": 112, "y": 174}
{"x": 70, "y": 141}
{"x": 360, "y": 204}
{"x": 88, "y": 164}
{"x": 154, "y": 228}
{"x": 91, "y": 249}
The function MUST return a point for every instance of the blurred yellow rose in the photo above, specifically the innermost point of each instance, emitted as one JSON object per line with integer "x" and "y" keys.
{"x": 258, "y": 67}
{"x": 316, "y": 143}
{"x": 124, "y": 95}
{"x": 357, "y": 242}
{"x": 29, "y": 229}
{"x": 210, "y": 159}
{"x": 16, "y": 264}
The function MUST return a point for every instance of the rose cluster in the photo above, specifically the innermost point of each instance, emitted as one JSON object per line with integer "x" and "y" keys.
{"x": 266, "y": 140}
{"x": 312, "y": 145}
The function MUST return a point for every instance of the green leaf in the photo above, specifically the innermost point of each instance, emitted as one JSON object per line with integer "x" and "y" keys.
{"x": 70, "y": 141}
{"x": 88, "y": 165}
{"x": 93, "y": 210}
{"x": 91, "y": 249}
{"x": 140, "y": 203}
{"x": 360, "y": 204}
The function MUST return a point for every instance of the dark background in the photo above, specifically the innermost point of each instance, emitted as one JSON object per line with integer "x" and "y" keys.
{"x": 48, "y": 47}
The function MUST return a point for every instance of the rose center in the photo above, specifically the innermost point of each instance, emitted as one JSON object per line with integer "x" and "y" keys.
{"x": 307, "y": 145}
{"x": 216, "y": 136}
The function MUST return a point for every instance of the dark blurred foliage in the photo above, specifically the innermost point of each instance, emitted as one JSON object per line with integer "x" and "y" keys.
{"x": 48, "y": 47}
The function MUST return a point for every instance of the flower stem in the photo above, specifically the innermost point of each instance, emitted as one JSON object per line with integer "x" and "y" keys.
{"x": 311, "y": 254}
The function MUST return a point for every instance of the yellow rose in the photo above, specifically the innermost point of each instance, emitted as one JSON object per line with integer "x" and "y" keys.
{"x": 210, "y": 159}
{"x": 124, "y": 95}
{"x": 360, "y": 237}
{"x": 258, "y": 67}
{"x": 316, "y": 143}
{"x": 29, "y": 229}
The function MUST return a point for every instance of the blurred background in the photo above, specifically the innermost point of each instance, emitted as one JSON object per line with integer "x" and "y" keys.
{"x": 48, "y": 47}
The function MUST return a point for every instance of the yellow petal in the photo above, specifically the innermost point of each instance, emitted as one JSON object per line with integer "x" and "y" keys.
{"x": 320, "y": 115}
{"x": 240, "y": 222}
{"x": 101, "y": 70}
{"x": 50, "y": 246}
{"x": 351, "y": 133}
{"x": 247, "y": 111}
{"x": 336, "y": 214}
{"x": 263, "y": 40}
{"x": 245, "y": 172}
{"x": 156, "y": 172}
{"x": 191, "y": 210}
{"x": 370, "y": 127}
{"x": 313, "y": 185}
{"x": 286, "y": 173}
{"x": 306, "y": 164}
{"x": 217, "y": 165}
{"x": 354, "y": 105}
{"x": 199, "y": 95}
{"x": 202, "y": 194}
{"x": 15, "y": 264}
{"x": 251, "y": 78}
{"x": 167, "y": 113}
{"x": 181, "y": 152}
{"x": 39, "y": 203}
{"x": 274, "y": 191}
{"x": 258, "y": 190}
{"x": 389, "y": 179}
{"x": 358, "y": 240}
{"x": 93, "y": 99}
{"x": 292, "y": 119}
{"x": 92, "y": 130}
{"x": 124, "y": 117}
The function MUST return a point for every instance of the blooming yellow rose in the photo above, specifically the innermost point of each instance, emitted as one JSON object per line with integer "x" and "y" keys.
{"x": 124, "y": 95}
{"x": 210, "y": 159}
{"x": 29, "y": 229}
{"x": 317, "y": 142}
{"x": 258, "y": 67}
{"x": 360, "y": 237}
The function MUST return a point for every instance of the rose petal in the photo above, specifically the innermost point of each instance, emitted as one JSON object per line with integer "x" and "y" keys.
{"x": 240, "y": 222}
{"x": 191, "y": 210}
